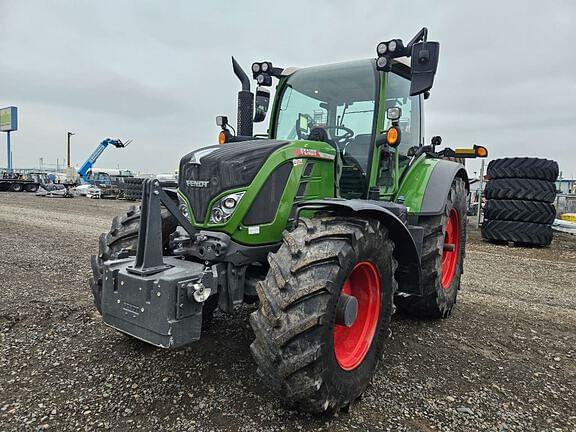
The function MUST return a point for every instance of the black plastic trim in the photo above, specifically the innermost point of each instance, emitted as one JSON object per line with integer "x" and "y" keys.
{"x": 443, "y": 174}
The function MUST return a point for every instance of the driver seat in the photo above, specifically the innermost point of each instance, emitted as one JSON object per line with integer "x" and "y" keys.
{"x": 349, "y": 180}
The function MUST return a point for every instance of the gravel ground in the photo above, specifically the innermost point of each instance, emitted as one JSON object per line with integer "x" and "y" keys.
{"x": 504, "y": 361}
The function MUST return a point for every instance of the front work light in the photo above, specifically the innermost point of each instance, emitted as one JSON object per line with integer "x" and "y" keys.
{"x": 382, "y": 63}
{"x": 386, "y": 51}
{"x": 381, "y": 48}
{"x": 264, "y": 80}
{"x": 394, "y": 113}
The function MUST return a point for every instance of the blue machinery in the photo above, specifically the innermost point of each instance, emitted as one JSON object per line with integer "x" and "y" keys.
{"x": 86, "y": 166}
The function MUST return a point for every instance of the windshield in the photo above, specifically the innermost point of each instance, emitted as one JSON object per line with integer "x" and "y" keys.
{"x": 339, "y": 98}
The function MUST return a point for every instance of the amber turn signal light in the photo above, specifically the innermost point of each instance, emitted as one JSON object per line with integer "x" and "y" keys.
{"x": 480, "y": 151}
{"x": 222, "y": 138}
{"x": 393, "y": 136}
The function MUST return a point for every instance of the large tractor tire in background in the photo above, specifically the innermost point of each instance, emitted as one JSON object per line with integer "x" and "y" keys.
{"x": 521, "y": 189}
{"x": 302, "y": 349}
{"x": 520, "y": 194}
{"x": 133, "y": 188}
{"x": 123, "y": 236}
{"x": 442, "y": 259}
{"x": 519, "y": 210}
{"x": 523, "y": 167}
{"x": 523, "y": 233}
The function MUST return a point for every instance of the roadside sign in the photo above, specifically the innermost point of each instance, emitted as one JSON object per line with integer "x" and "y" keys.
{"x": 8, "y": 119}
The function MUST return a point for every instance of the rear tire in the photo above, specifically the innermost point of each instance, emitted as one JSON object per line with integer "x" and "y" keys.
{"x": 441, "y": 269}
{"x": 309, "y": 361}
{"x": 527, "y": 233}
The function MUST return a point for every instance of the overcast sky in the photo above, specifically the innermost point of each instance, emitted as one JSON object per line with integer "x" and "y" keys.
{"x": 159, "y": 71}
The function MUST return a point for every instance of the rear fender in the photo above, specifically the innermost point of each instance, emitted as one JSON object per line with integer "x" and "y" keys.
{"x": 407, "y": 248}
{"x": 439, "y": 184}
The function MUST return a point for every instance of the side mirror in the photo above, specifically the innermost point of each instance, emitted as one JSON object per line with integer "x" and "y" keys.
{"x": 262, "y": 103}
{"x": 424, "y": 62}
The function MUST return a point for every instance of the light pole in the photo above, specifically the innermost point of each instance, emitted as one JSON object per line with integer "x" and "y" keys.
{"x": 69, "y": 135}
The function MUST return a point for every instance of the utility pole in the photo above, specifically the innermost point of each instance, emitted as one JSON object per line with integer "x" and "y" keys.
{"x": 69, "y": 135}
{"x": 480, "y": 193}
{"x": 9, "y": 151}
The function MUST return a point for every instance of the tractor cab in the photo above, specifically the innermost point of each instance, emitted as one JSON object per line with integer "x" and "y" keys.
{"x": 346, "y": 105}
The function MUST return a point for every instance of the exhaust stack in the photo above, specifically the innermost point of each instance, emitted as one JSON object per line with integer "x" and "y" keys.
{"x": 245, "y": 102}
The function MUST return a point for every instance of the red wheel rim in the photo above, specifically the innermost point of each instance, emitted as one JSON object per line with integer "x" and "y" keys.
{"x": 351, "y": 344}
{"x": 451, "y": 249}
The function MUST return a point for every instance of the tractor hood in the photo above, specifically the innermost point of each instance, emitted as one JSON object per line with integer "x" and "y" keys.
{"x": 207, "y": 172}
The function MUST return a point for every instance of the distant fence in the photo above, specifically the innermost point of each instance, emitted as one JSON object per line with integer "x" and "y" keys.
{"x": 565, "y": 203}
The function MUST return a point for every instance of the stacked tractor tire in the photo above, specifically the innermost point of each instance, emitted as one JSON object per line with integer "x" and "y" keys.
{"x": 520, "y": 194}
{"x": 132, "y": 188}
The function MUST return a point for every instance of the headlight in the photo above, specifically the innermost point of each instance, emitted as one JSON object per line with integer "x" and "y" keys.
{"x": 223, "y": 209}
{"x": 256, "y": 67}
{"x": 392, "y": 45}
{"x": 229, "y": 203}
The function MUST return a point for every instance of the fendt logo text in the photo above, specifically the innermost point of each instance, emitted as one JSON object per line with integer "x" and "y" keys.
{"x": 198, "y": 183}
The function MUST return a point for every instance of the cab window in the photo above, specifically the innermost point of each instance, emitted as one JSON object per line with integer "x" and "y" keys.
{"x": 398, "y": 95}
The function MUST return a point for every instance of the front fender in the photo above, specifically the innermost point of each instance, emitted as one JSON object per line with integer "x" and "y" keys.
{"x": 393, "y": 217}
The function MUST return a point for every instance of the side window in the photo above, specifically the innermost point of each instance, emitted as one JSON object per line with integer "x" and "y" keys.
{"x": 398, "y": 95}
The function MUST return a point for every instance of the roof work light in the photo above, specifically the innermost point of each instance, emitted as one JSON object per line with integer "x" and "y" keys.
{"x": 263, "y": 72}
{"x": 386, "y": 51}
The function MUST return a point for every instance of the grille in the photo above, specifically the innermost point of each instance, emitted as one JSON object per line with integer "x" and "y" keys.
{"x": 207, "y": 172}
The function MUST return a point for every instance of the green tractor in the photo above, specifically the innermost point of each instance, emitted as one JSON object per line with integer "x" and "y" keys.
{"x": 336, "y": 217}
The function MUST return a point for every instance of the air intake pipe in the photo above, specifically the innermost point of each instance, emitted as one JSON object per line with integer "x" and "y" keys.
{"x": 245, "y": 102}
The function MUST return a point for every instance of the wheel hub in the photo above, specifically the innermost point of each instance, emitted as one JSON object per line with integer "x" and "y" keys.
{"x": 352, "y": 343}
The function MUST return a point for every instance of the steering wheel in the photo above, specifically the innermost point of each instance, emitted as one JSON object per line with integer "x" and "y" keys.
{"x": 343, "y": 140}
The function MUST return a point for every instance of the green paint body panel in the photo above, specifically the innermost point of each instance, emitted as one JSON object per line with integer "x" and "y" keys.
{"x": 319, "y": 184}
{"x": 413, "y": 187}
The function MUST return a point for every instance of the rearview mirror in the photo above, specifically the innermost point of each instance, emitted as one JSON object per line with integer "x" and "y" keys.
{"x": 262, "y": 103}
{"x": 424, "y": 61}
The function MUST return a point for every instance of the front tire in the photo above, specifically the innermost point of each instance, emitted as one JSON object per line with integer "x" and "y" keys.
{"x": 311, "y": 362}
